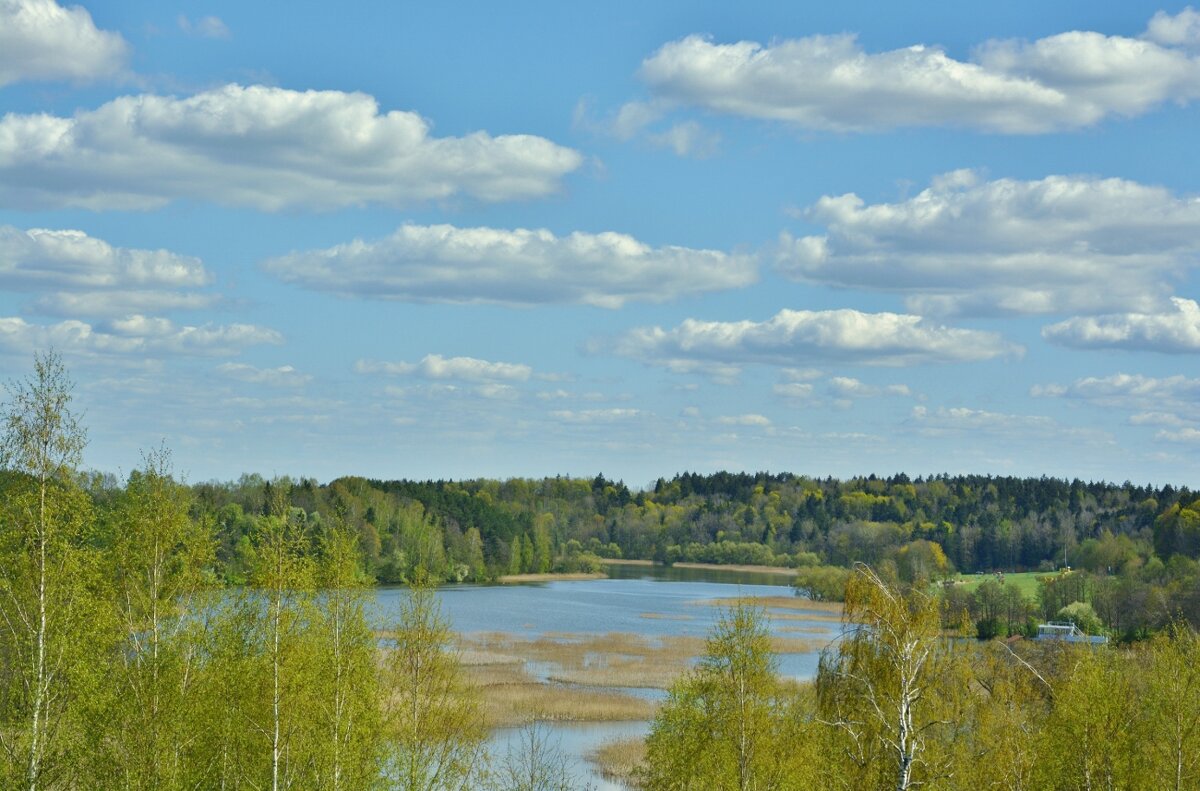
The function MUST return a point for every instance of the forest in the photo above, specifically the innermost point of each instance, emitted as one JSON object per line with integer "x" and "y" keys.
{"x": 160, "y": 635}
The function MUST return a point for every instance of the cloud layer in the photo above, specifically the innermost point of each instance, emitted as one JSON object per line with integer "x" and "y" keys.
{"x": 41, "y": 40}
{"x": 133, "y": 335}
{"x": 442, "y": 263}
{"x": 796, "y": 337}
{"x": 1066, "y": 81}
{"x": 1175, "y": 332}
{"x": 966, "y": 246}
{"x": 264, "y": 148}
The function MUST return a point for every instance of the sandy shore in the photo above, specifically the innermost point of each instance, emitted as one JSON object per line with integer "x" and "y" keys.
{"x": 573, "y": 577}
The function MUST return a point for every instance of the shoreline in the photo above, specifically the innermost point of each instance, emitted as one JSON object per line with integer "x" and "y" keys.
{"x": 574, "y": 576}
{"x": 779, "y": 570}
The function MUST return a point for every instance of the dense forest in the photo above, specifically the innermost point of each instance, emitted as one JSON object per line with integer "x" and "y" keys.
{"x": 155, "y": 635}
{"x": 1134, "y": 547}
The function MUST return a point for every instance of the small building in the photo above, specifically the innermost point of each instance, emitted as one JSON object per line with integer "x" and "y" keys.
{"x": 1068, "y": 632}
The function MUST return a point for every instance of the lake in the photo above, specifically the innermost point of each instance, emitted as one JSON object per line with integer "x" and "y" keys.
{"x": 649, "y": 603}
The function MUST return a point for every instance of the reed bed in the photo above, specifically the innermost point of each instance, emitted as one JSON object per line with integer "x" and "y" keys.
{"x": 511, "y": 697}
{"x": 775, "y": 603}
{"x": 620, "y": 760}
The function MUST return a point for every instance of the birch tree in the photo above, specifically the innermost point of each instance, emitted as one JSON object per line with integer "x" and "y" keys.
{"x": 53, "y": 625}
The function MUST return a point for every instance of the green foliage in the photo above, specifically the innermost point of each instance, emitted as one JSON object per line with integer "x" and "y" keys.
{"x": 729, "y": 724}
{"x": 822, "y": 583}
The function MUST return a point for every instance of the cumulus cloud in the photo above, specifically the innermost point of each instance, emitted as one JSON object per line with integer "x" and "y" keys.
{"x": 849, "y": 387}
{"x": 204, "y": 27}
{"x": 1180, "y": 30}
{"x": 122, "y": 303}
{"x": 1176, "y": 332}
{"x": 965, "y": 419}
{"x": 283, "y": 376}
{"x": 1066, "y": 81}
{"x": 39, "y": 259}
{"x": 1177, "y": 394}
{"x": 797, "y": 336}
{"x": 968, "y": 246}
{"x": 798, "y": 391}
{"x": 1179, "y": 435}
{"x": 41, "y": 40}
{"x": 133, "y": 335}
{"x": 744, "y": 420}
{"x": 613, "y": 415}
{"x": 442, "y": 263}
{"x": 86, "y": 276}
{"x": 435, "y": 366}
{"x": 265, "y": 148}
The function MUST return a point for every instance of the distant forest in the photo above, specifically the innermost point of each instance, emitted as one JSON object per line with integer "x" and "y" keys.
{"x": 480, "y": 529}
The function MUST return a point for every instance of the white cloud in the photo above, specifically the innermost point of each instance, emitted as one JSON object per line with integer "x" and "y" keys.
{"x": 442, "y": 263}
{"x": 1177, "y": 394}
{"x": 204, "y": 27}
{"x": 283, "y": 376}
{"x": 794, "y": 390}
{"x": 41, "y": 259}
{"x": 86, "y": 276}
{"x": 1180, "y": 435}
{"x": 687, "y": 139}
{"x": 613, "y": 415}
{"x": 952, "y": 421}
{"x": 41, "y": 40}
{"x": 1066, "y": 81}
{"x": 792, "y": 337}
{"x": 1175, "y": 332}
{"x": 265, "y": 148}
{"x": 133, "y": 335}
{"x": 1156, "y": 419}
{"x": 497, "y": 392}
{"x": 849, "y": 387}
{"x": 966, "y": 246}
{"x": 122, "y": 303}
{"x": 744, "y": 420}
{"x": 435, "y": 366}
{"x": 1180, "y": 30}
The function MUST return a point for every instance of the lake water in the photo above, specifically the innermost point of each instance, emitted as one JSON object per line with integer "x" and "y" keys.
{"x": 675, "y": 597}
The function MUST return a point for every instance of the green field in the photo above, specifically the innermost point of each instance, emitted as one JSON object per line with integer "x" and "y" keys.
{"x": 1026, "y": 581}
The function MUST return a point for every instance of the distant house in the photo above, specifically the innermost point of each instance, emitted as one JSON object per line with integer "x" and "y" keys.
{"x": 1067, "y": 632}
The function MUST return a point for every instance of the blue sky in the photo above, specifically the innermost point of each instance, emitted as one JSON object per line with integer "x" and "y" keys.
{"x": 472, "y": 239}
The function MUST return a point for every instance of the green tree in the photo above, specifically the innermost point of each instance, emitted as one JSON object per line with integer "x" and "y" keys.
{"x": 348, "y": 750}
{"x": 434, "y": 728}
{"x": 1172, "y": 707}
{"x": 881, "y": 688}
{"x": 56, "y": 631}
{"x": 728, "y": 724}
{"x": 160, "y": 559}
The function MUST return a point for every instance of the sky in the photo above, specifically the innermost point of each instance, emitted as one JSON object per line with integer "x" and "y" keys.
{"x": 460, "y": 240}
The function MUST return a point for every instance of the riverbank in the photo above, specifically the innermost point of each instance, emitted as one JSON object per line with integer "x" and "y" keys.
{"x": 781, "y": 570}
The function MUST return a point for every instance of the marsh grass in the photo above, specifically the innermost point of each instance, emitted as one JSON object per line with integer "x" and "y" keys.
{"x": 512, "y": 697}
{"x": 620, "y": 760}
{"x": 662, "y": 616}
{"x": 775, "y": 603}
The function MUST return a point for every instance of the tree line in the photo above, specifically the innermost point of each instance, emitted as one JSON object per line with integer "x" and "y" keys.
{"x": 125, "y": 663}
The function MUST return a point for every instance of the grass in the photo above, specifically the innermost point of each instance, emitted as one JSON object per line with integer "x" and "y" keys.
{"x": 620, "y": 760}
{"x": 1025, "y": 581}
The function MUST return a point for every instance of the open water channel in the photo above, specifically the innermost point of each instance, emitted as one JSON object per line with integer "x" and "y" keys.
{"x": 619, "y": 604}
